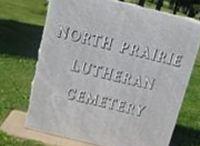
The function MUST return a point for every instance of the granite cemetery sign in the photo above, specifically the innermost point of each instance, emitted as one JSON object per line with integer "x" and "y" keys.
{"x": 112, "y": 74}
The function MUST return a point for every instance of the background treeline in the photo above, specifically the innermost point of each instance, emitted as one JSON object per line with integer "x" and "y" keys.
{"x": 190, "y": 8}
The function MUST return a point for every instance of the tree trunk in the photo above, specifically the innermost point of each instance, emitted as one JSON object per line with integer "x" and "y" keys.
{"x": 171, "y": 4}
{"x": 176, "y": 7}
{"x": 141, "y": 3}
{"x": 191, "y": 11}
{"x": 159, "y": 5}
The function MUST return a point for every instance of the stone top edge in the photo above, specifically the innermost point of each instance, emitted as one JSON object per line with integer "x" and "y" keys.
{"x": 184, "y": 18}
{"x": 126, "y": 4}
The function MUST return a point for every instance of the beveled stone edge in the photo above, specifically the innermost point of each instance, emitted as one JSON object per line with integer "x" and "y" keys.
{"x": 14, "y": 125}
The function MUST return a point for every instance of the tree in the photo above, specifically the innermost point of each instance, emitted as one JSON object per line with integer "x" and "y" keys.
{"x": 159, "y": 4}
{"x": 191, "y": 12}
{"x": 176, "y": 7}
{"x": 141, "y": 3}
{"x": 171, "y": 4}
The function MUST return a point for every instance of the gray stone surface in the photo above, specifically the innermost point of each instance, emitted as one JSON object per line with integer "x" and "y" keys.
{"x": 112, "y": 74}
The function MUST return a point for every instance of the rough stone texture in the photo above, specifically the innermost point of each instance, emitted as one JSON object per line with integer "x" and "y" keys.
{"x": 139, "y": 102}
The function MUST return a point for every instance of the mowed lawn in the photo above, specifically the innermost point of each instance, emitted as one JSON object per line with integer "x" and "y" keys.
{"x": 21, "y": 24}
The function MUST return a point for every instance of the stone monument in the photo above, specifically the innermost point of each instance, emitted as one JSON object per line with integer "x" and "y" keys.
{"x": 111, "y": 73}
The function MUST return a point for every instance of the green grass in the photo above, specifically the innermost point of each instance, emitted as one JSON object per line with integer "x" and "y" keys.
{"x": 187, "y": 132}
{"x": 21, "y": 24}
{"x": 6, "y": 140}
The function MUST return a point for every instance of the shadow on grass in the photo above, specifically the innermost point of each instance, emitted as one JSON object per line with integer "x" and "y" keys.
{"x": 184, "y": 136}
{"x": 19, "y": 39}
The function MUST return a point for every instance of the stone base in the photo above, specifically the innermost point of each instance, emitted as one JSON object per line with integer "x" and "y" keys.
{"x": 14, "y": 125}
